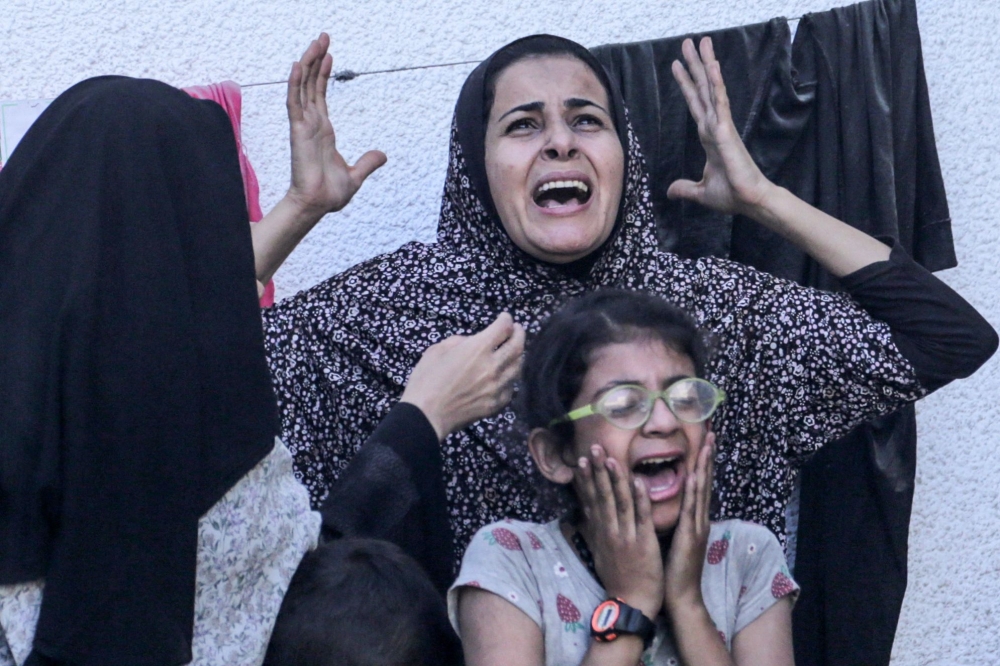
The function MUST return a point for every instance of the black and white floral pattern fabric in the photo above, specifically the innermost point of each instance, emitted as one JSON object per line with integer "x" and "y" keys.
{"x": 800, "y": 367}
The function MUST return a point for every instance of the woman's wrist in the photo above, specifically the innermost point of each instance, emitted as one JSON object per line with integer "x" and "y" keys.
{"x": 433, "y": 415}
{"x": 766, "y": 209}
{"x": 302, "y": 212}
{"x": 281, "y": 230}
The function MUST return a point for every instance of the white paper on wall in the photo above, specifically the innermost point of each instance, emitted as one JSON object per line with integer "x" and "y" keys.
{"x": 15, "y": 119}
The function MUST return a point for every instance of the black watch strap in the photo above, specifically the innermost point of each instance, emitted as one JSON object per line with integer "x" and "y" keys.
{"x": 614, "y": 618}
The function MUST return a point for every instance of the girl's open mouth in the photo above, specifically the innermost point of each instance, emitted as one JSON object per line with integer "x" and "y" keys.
{"x": 663, "y": 476}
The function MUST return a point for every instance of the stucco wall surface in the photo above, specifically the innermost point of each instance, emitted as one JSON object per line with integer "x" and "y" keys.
{"x": 952, "y": 609}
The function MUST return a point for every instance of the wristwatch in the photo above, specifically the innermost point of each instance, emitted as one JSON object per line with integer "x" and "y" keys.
{"x": 614, "y": 617}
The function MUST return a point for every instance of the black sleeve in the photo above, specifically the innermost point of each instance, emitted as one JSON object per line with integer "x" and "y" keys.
{"x": 938, "y": 332}
{"x": 393, "y": 489}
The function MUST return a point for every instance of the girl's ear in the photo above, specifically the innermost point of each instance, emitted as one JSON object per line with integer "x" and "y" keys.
{"x": 547, "y": 452}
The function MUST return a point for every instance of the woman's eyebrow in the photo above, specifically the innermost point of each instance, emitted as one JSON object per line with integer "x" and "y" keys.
{"x": 578, "y": 102}
{"x": 530, "y": 106}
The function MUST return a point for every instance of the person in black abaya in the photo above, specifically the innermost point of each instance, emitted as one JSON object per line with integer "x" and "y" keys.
{"x": 134, "y": 394}
{"x": 148, "y": 514}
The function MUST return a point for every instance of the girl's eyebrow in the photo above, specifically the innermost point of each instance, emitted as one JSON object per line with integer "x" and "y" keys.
{"x": 614, "y": 383}
{"x": 530, "y": 106}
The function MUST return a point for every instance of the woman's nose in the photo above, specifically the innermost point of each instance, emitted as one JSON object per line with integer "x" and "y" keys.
{"x": 561, "y": 142}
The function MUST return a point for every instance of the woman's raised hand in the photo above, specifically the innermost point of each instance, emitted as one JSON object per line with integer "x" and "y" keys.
{"x": 682, "y": 589}
{"x": 466, "y": 378}
{"x": 731, "y": 183}
{"x": 619, "y": 531}
{"x": 322, "y": 181}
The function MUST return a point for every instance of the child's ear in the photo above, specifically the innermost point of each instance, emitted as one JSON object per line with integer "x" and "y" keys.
{"x": 546, "y": 451}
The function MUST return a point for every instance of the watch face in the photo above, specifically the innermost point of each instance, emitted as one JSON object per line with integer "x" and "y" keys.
{"x": 605, "y": 616}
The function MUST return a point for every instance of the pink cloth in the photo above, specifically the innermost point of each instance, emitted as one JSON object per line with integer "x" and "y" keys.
{"x": 227, "y": 94}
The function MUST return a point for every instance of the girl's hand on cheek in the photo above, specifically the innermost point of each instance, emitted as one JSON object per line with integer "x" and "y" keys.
{"x": 618, "y": 528}
{"x": 686, "y": 558}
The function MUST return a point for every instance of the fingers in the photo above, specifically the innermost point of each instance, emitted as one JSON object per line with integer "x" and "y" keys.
{"x": 622, "y": 490}
{"x": 697, "y": 69}
{"x": 703, "y": 483}
{"x": 701, "y": 81}
{"x": 315, "y": 83}
{"x": 498, "y": 332}
{"x": 710, "y": 64}
{"x": 309, "y": 67}
{"x": 293, "y": 101}
{"x": 605, "y": 508}
{"x": 689, "y": 90}
{"x": 720, "y": 96}
{"x": 366, "y": 165}
{"x": 297, "y": 82}
{"x": 689, "y": 500}
{"x": 684, "y": 189}
{"x": 643, "y": 509}
{"x": 307, "y": 82}
{"x": 585, "y": 489}
{"x": 325, "y": 70}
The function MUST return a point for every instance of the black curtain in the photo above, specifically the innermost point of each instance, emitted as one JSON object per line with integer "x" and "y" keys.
{"x": 842, "y": 119}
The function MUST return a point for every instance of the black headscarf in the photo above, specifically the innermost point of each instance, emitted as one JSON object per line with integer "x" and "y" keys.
{"x": 133, "y": 387}
{"x": 798, "y": 365}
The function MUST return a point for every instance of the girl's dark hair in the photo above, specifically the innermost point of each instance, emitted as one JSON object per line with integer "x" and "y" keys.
{"x": 538, "y": 46}
{"x": 362, "y": 602}
{"x": 558, "y": 358}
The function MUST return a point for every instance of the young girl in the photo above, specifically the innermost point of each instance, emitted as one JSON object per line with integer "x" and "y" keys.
{"x": 635, "y": 572}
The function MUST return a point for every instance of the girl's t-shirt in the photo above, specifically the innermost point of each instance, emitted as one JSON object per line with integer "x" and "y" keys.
{"x": 533, "y": 567}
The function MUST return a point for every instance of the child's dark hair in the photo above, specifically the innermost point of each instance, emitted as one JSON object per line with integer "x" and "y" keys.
{"x": 558, "y": 357}
{"x": 361, "y": 602}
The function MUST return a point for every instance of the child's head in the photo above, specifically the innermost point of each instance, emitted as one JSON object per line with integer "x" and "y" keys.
{"x": 361, "y": 602}
{"x": 584, "y": 355}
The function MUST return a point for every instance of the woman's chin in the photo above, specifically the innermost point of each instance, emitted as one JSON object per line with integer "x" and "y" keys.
{"x": 563, "y": 246}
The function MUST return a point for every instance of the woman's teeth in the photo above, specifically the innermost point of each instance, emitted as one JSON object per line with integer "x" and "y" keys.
{"x": 561, "y": 184}
{"x": 561, "y": 192}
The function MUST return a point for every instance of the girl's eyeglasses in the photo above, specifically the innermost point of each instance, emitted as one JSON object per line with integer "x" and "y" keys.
{"x": 629, "y": 406}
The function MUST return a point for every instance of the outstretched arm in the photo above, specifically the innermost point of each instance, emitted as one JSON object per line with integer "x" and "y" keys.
{"x": 322, "y": 181}
{"x": 732, "y": 183}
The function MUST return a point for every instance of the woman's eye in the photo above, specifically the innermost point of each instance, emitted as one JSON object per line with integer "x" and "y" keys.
{"x": 520, "y": 124}
{"x": 587, "y": 120}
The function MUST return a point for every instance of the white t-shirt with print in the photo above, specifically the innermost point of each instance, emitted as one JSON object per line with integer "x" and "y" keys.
{"x": 536, "y": 569}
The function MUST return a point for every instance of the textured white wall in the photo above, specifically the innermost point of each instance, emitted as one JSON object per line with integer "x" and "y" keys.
{"x": 952, "y": 609}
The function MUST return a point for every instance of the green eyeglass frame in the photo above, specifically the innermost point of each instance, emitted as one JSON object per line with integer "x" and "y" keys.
{"x": 629, "y": 406}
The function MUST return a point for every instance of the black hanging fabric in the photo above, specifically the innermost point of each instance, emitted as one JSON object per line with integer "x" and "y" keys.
{"x": 842, "y": 119}
{"x": 134, "y": 390}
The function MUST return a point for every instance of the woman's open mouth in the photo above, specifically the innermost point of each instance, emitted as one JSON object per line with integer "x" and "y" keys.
{"x": 663, "y": 476}
{"x": 562, "y": 196}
